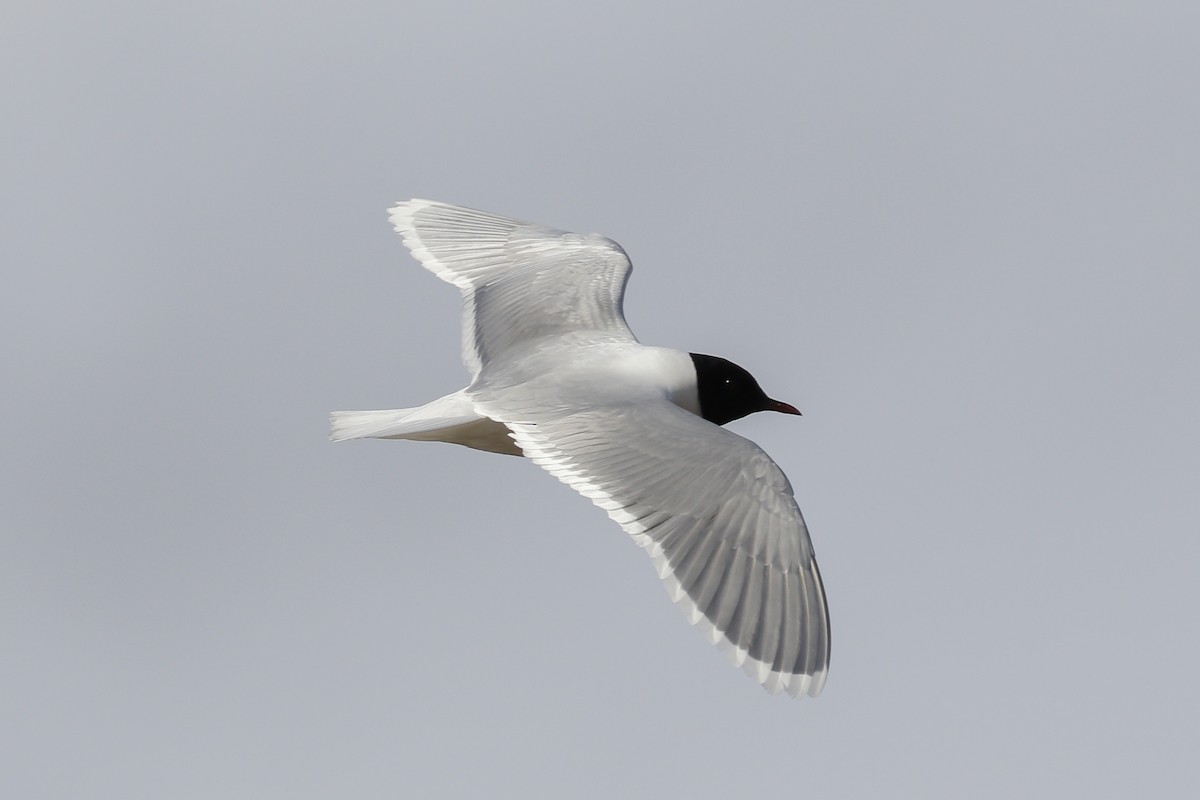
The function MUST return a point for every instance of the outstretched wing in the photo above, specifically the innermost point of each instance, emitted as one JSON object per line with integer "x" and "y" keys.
{"x": 714, "y": 512}
{"x": 519, "y": 280}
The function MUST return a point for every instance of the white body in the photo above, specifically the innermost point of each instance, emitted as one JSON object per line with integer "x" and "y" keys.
{"x": 456, "y": 419}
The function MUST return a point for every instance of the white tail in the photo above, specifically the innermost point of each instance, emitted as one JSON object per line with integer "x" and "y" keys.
{"x": 345, "y": 425}
{"x": 448, "y": 419}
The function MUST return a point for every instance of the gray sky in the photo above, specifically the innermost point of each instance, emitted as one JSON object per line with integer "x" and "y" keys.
{"x": 962, "y": 237}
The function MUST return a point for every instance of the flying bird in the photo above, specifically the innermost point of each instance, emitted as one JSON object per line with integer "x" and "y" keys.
{"x": 558, "y": 377}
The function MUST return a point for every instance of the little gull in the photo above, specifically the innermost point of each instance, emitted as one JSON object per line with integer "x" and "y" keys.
{"x": 557, "y": 376}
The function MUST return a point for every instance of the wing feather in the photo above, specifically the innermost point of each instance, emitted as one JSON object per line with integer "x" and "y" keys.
{"x": 519, "y": 280}
{"x": 729, "y": 594}
{"x": 721, "y": 527}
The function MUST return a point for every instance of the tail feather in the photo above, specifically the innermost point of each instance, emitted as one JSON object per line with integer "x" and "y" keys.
{"x": 345, "y": 425}
{"x": 452, "y": 418}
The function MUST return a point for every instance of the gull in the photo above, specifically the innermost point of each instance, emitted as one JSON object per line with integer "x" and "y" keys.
{"x": 558, "y": 377}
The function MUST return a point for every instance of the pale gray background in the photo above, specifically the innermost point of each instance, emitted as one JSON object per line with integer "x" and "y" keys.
{"x": 962, "y": 237}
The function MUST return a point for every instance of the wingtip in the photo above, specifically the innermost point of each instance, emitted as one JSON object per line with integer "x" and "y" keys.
{"x": 402, "y": 213}
{"x": 794, "y": 684}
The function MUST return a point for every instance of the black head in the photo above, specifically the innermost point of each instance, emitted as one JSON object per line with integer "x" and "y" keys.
{"x": 727, "y": 392}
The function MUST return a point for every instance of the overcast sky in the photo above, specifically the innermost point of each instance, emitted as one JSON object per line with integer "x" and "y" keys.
{"x": 961, "y": 237}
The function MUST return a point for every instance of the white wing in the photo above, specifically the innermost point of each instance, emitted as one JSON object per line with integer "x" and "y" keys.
{"x": 519, "y": 280}
{"x": 715, "y": 513}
